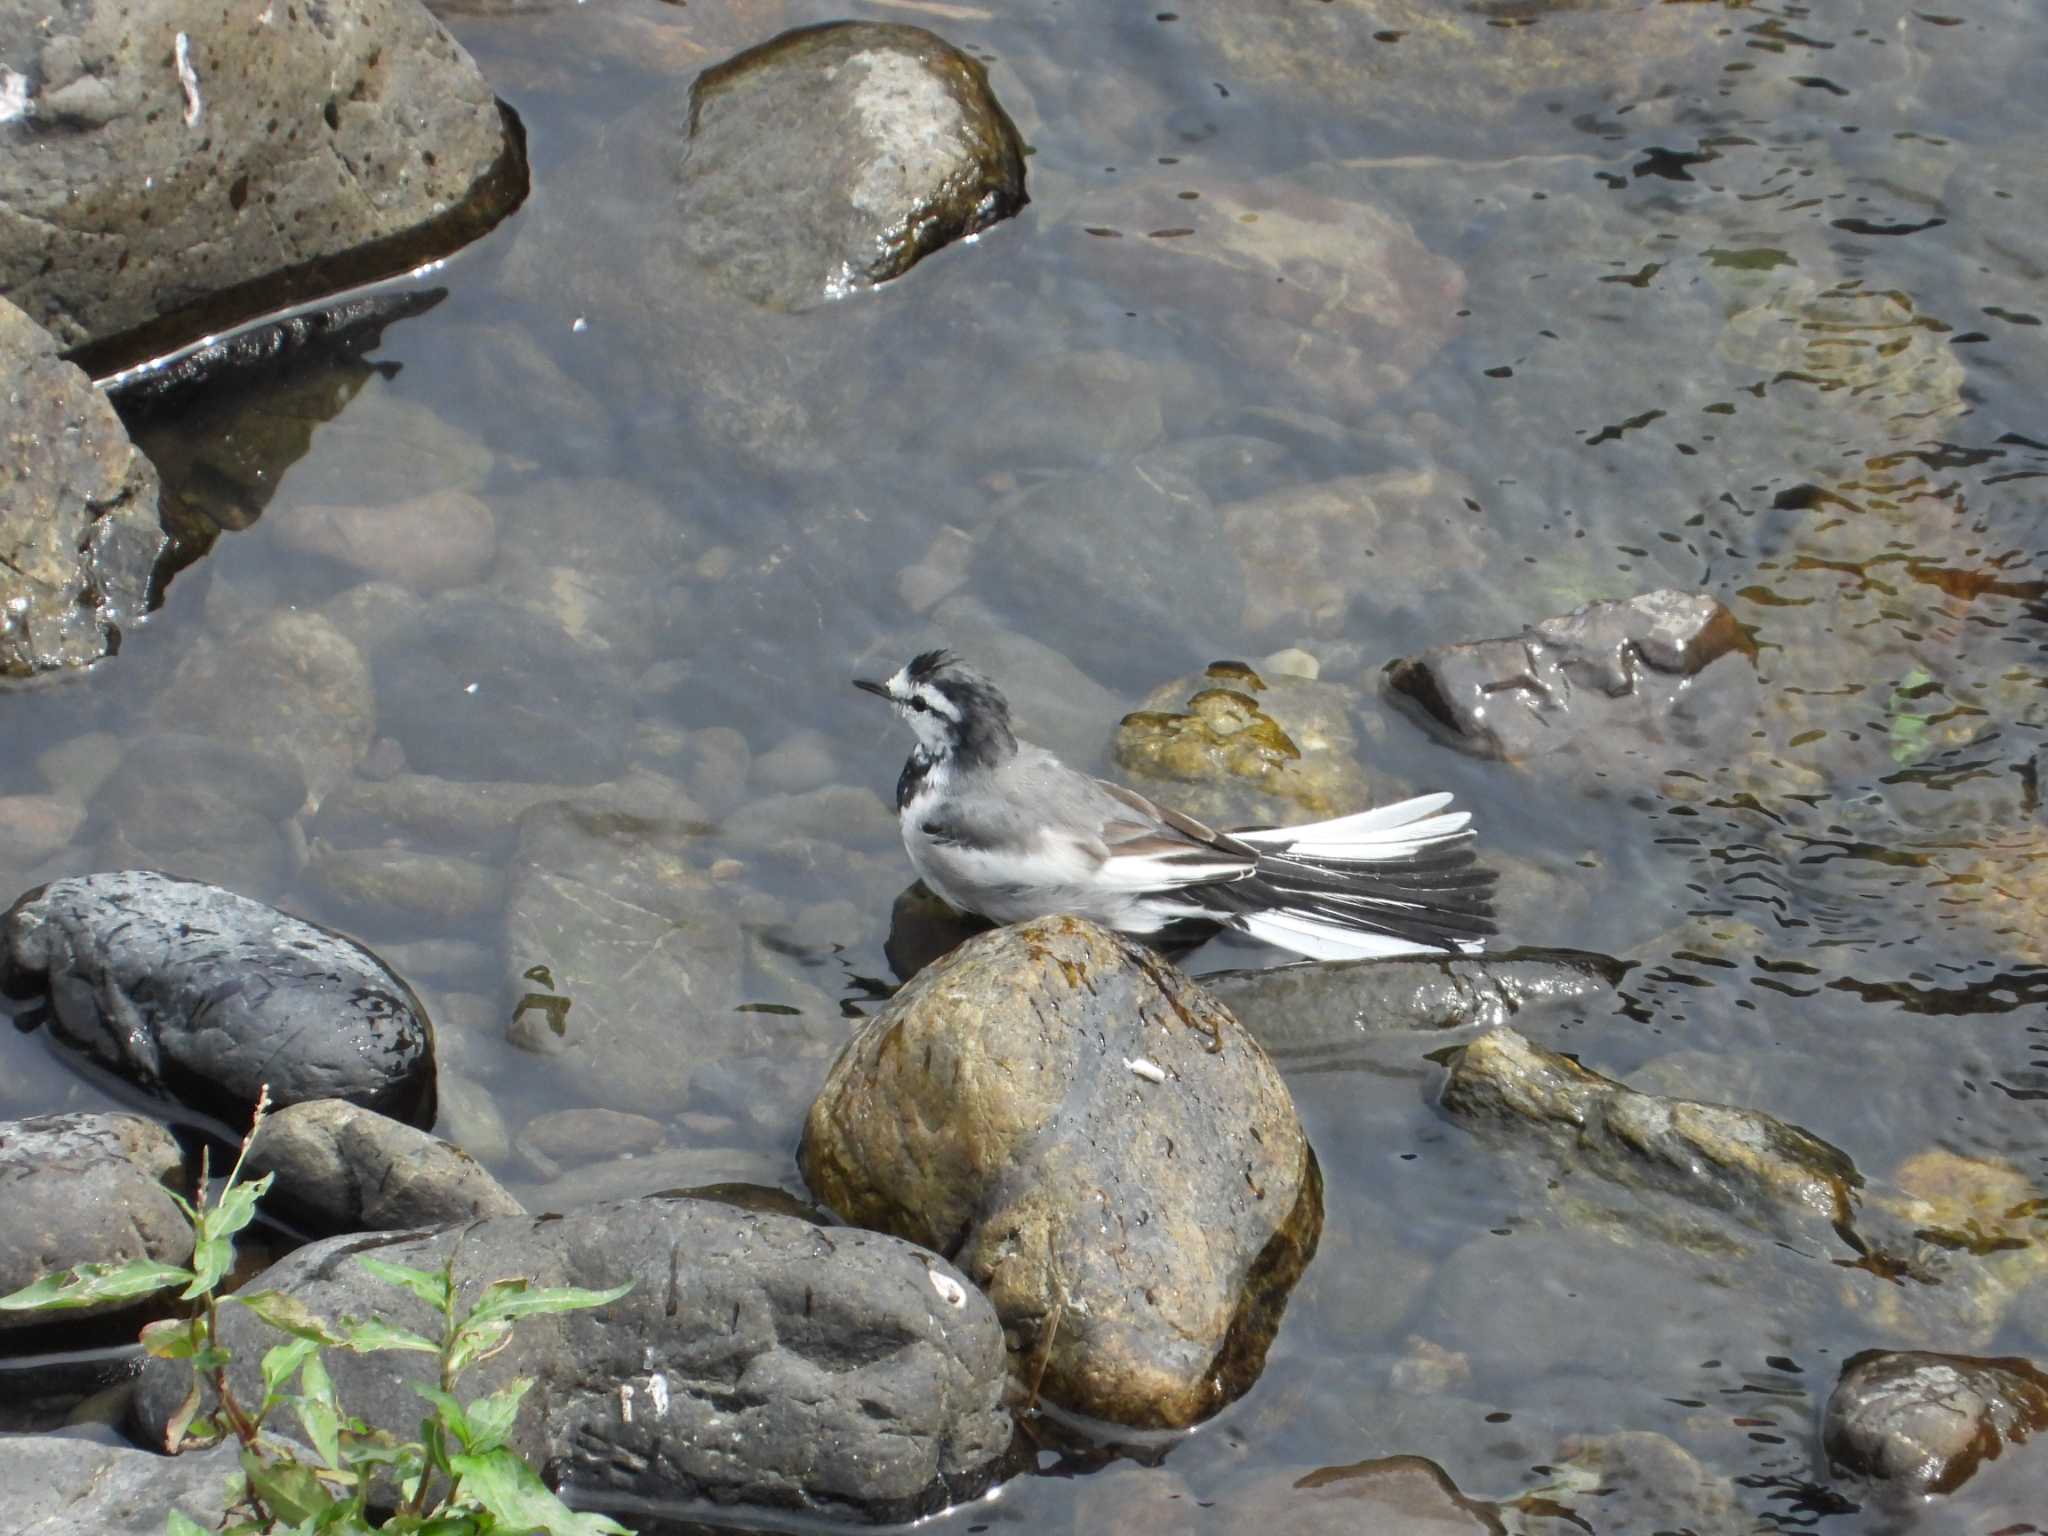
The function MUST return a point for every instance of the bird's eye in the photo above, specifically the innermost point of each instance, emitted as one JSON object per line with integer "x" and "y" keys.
{"x": 919, "y": 705}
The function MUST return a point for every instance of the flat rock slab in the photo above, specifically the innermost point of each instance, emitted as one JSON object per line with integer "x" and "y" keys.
{"x": 1912, "y": 1422}
{"x": 832, "y": 158}
{"x": 85, "y": 1189}
{"x": 178, "y": 158}
{"x": 79, "y": 535}
{"x": 1100, "y": 1145}
{"x": 1605, "y": 667}
{"x": 760, "y": 1360}
{"x": 65, "y": 1485}
{"x": 196, "y": 993}
{"x": 343, "y": 1168}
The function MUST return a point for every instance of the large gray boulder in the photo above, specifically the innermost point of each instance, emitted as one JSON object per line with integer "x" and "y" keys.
{"x": 832, "y": 157}
{"x": 343, "y": 1168}
{"x": 205, "y": 996}
{"x": 68, "y": 1485}
{"x": 85, "y": 1189}
{"x": 1099, "y": 1145}
{"x": 79, "y": 535}
{"x": 180, "y": 165}
{"x": 759, "y": 1360}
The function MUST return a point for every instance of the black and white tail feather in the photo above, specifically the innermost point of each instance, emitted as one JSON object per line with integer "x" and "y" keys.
{"x": 1004, "y": 829}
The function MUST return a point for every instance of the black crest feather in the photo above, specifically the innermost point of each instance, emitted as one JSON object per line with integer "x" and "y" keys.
{"x": 927, "y": 664}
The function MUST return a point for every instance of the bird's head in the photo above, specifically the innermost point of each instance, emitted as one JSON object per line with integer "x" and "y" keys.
{"x": 957, "y": 714}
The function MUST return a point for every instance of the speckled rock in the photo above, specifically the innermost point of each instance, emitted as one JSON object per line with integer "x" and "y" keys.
{"x": 833, "y": 157}
{"x": 759, "y": 1361}
{"x": 1913, "y": 1423}
{"x": 79, "y": 535}
{"x": 177, "y": 157}
{"x": 1099, "y": 1145}
{"x": 1234, "y": 748}
{"x": 67, "y": 1485}
{"x": 193, "y": 992}
{"x": 342, "y": 1168}
{"x": 79, "y": 1189}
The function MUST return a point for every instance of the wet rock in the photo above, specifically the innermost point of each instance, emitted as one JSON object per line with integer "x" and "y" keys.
{"x": 79, "y": 536}
{"x": 719, "y": 762}
{"x": 443, "y": 539}
{"x": 1643, "y": 1481}
{"x": 68, "y": 1485}
{"x": 470, "y": 1119}
{"x": 1767, "y": 1174}
{"x": 922, "y": 927}
{"x": 1309, "y": 551}
{"x": 759, "y": 1360}
{"x": 573, "y": 1136}
{"x": 1409, "y": 1494}
{"x": 82, "y": 1189}
{"x": 623, "y": 961}
{"x": 402, "y": 890}
{"x": 1305, "y": 1012}
{"x": 1913, "y": 1422}
{"x": 842, "y": 813}
{"x": 1138, "y": 1236}
{"x": 32, "y": 827}
{"x": 1600, "y": 669}
{"x": 477, "y": 690}
{"x": 665, "y": 1171}
{"x": 200, "y": 808}
{"x": 1096, "y": 558}
{"x": 342, "y": 1168}
{"x": 365, "y": 141}
{"x": 832, "y": 158}
{"x": 194, "y": 992}
{"x": 1232, "y": 747}
{"x": 587, "y": 575}
{"x": 286, "y": 682}
{"x": 801, "y": 761}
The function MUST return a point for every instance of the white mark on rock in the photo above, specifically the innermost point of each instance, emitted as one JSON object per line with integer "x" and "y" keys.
{"x": 626, "y": 1401}
{"x": 1140, "y": 1066}
{"x": 13, "y": 95}
{"x": 188, "y": 77}
{"x": 657, "y": 1393}
{"x": 951, "y": 1291}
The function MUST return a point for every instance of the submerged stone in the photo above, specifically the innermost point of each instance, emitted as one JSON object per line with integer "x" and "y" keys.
{"x": 1913, "y": 1422}
{"x": 1098, "y": 1145}
{"x": 833, "y": 157}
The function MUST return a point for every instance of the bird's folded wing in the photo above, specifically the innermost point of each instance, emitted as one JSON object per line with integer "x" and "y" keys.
{"x": 1139, "y": 857}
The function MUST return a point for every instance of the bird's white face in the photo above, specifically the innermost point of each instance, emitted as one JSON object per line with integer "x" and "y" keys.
{"x": 931, "y": 715}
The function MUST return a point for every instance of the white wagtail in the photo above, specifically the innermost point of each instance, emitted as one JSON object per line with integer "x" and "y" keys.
{"x": 1003, "y": 829}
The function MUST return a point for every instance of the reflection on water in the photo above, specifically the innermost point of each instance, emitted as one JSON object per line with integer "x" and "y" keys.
{"x": 1333, "y": 329}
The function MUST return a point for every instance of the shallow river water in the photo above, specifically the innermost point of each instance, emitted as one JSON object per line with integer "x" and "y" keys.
{"x": 1561, "y": 302}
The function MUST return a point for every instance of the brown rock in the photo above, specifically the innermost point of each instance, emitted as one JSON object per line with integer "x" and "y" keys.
{"x": 445, "y": 538}
{"x": 1917, "y": 1423}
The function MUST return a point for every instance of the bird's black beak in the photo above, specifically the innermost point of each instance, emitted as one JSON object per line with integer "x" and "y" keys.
{"x": 878, "y": 689}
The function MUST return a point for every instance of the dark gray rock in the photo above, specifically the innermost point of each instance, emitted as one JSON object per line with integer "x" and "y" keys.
{"x": 79, "y": 535}
{"x": 1099, "y": 1145}
{"x": 194, "y": 992}
{"x": 1762, "y": 1172}
{"x": 474, "y": 689}
{"x": 68, "y": 1485}
{"x": 1302, "y": 1011}
{"x": 832, "y": 158}
{"x": 759, "y": 1360}
{"x": 341, "y": 1168}
{"x": 1913, "y": 1422}
{"x": 1603, "y": 667}
{"x": 622, "y": 961}
{"x": 1097, "y": 558}
{"x": 83, "y": 1189}
{"x": 359, "y": 131}
{"x": 197, "y": 807}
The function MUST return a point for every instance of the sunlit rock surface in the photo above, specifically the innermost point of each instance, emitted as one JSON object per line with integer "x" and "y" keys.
{"x": 68, "y": 1485}
{"x": 79, "y": 536}
{"x": 832, "y": 158}
{"x": 1912, "y": 1422}
{"x": 343, "y": 1168}
{"x": 1234, "y": 747}
{"x": 86, "y": 1189}
{"x": 184, "y": 164}
{"x": 759, "y": 1360}
{"x": 1606, "y": 667}
{"x": 204, "y": 996}
{"x": 1098, "y": 1145}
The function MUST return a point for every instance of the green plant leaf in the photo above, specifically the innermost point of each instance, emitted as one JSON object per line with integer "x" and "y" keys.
{"x": 367, "y": 1338}
{"x": 474, "y": 1343}
{"x": 213, "y": 1255}
{"x": 491, "y": 1416}
{"x": 287, "y": 1314}
{"x": 174, "y": 1338}
{"x": 317, "y": 1409}
{"x": 180, "y": 1423}
{"x": 504, "y": 1300}
{"x": 289, "y": 1489}
{"x": 437, "y": 1291}
{"x": 447, "y": 1410}
{"x": 87, "y": 1285}
{"x": 281, "y": 1360}
{"x": 177, "y": 1523}
{"x": 519, "y": 1501}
